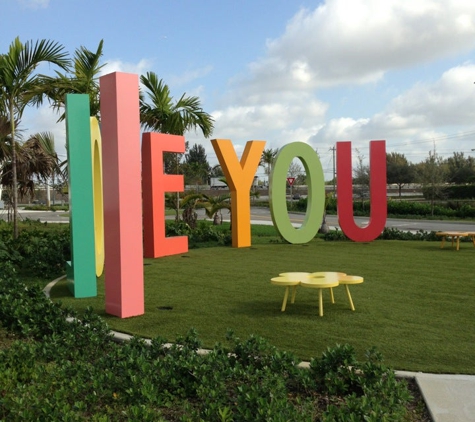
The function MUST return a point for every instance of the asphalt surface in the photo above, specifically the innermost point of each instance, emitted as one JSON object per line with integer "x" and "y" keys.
{"x": 263, "y": 214}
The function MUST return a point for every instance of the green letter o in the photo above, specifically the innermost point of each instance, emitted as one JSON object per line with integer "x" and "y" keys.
{"x": 316, "y": 193}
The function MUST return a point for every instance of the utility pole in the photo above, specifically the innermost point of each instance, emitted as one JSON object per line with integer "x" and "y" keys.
{"x": 332, "y": 149}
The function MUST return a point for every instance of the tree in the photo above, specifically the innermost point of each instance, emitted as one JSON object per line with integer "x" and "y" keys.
{"x": 361, "y": 177}
{"x": 213, "y": 206}
{"x": 36, "y": 159}
{"x": 160, "y": 113}
{"x": 267, "y": 159}
{"x": 399, "y": 170}
{"x": 295, "y": 169}
{"x": 84, "y": 80}
{"x": 460, "y": 169}
{"x": 216, "y": 171}
{"x": 4, "y": 138}
{"x": 189, "y": 203}
{"x": 19, "y": 88}
{"x": 196, "y": 167}
{"x": 432, "y": 175}
{"x": 4, "y": 144}
{"x": 163, "y": 115}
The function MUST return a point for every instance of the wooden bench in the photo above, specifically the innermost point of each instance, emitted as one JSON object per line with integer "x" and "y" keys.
{"x": 455, "y": 236}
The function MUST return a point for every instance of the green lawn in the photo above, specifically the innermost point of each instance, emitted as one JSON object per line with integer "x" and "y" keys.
{"x": 415, "y": 305}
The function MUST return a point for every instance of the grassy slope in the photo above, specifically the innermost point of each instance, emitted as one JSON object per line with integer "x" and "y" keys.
{"x": 415, "y": 304}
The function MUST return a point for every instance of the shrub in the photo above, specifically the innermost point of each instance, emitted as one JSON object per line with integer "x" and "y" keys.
{"x": 39, "y": 248}
{"x": 205, "y": 234}
{"x": 73, "y": 371}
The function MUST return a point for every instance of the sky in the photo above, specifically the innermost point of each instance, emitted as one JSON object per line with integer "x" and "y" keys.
{"x": 283, "y": 71}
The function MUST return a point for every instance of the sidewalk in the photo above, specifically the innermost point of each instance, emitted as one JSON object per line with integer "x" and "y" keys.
{"x": 449, "y": 398}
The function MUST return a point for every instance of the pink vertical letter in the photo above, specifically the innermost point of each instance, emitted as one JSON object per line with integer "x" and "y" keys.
{"x": 154, "y": 186}
{"x": 377, "y": 220}
{"x": 122, "y": 194}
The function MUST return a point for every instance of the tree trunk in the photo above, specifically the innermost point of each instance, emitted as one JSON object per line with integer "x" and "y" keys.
{"x": 14, "y": 174}
{"x": 324, "y": 227}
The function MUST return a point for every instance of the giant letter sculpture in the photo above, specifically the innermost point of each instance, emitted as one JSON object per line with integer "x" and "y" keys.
{"x": 239, "y": 176}
{"x": 316, "y": 193}
{"x": 81, "y": 271}
{"x": 378, "y": 201}
{"x": 124, "y": 281}
{"x": 154, "y": 186}
{"x": 96, "y": 150}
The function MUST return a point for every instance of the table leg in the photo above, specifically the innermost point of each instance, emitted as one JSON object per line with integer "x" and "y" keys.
{"x": 294, "y": 292}
{"x": 320, "y": 302}
{"x": 331, "y": 295}
{"x": 457, "y": 238}
{"x": 443, "y": 242}
{"x": 286, "y": 295}
{"x": 349, "y": 297}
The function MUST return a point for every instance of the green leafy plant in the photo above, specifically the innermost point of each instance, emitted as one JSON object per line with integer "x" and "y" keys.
{"x": 73, "y": 370}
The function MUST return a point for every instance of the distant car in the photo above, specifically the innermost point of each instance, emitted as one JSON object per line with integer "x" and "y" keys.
{"x": 296, "y": 196}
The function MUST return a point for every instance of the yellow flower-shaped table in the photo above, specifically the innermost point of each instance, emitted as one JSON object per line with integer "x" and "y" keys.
{"x": 350, "y": 279}
{"x": 319, "y": 280}
{"x": 289, "y": 280}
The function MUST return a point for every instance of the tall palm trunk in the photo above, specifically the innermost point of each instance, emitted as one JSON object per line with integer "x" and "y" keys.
{"x": 14, "y": 173}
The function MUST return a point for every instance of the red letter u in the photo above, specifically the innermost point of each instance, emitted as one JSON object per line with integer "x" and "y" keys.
{"x": 378, "y": 206}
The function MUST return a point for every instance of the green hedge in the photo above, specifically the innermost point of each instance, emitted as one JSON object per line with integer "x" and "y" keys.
{"x": 460, "y": 191}
{"x": 402, "y": 208}
{"x": 40, "y": 249}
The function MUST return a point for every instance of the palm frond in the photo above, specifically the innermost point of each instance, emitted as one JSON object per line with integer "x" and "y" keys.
{"x": 159, "y": 113}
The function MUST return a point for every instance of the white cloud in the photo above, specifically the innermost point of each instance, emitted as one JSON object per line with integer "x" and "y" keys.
{"x": 357, "y": 41}
{"x": 279, "y": 119}
{"x": 351, "y": 43}
{"x": 449, "y": 101}
{"x": 120, "y": 66}
{"x": 417, "y": 120}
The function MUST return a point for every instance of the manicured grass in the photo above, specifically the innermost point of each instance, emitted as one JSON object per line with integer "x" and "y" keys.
{"x": 415, "y": 305}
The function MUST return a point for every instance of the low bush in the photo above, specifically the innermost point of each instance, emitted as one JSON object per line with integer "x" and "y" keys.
{"x": 74, "y": 371}
{"x": 391, "y": 234}
{"x": 398, "y": 208}
{"x": 39, "y": 249}
{"x": 205, "y": 234}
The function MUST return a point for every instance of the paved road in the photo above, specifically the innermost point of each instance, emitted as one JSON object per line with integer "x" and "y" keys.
{"x": 263, "y": 214}
{"x": 48, "y": 216}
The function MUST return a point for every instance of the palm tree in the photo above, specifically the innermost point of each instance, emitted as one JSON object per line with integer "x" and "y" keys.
{"x": 4, "y": 138}
{"x": 84, "y": 80}
{"x": 158, "y": 112}
{"x": 163, "y": 115}
{"x": 189, "y": 203}
{"x": 267, "y": 159}
{"x": 213, "y": 206}
{"x": 19, "y": 88}
{"x": 4, "y": 145}
{"x": 36, "y": 159}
